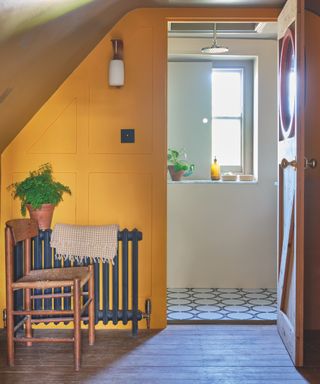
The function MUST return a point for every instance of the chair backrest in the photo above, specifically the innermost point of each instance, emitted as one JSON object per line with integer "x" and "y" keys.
{"x": 19, "y": 230}
{"x": 22, "y": 229}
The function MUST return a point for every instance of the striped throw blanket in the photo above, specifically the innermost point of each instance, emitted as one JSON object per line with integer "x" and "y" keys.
{"x": 75, "y": 242}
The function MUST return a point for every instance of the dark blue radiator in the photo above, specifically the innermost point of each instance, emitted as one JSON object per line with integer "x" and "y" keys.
{"x": 109, "y": 304}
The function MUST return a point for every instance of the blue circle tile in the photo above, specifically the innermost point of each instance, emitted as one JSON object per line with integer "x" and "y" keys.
{"x": 230, "y": 296}
{"x": 233, "y": 302}
{"x": 180, "y": 316}
{"x": 178, "y": 295}
{"x": 178, "y": 290}
{"x": 240, "y": 316}
{"x": 210, "y": 316}
{"x": 260, "y": 302}
{"x": 207, "y": 308}
{"x": 264, "y": 308}
{"x": 205, "y": 301}
{"x": 227, "y": 290}
{"x": 203, "y": 295}
{"x": 256, "y": 296}
{"x": 179, "y": 308}
{"x": 179, "y": 301}
{"x": 267, "y": 316}
{"x": 236, "y": 308}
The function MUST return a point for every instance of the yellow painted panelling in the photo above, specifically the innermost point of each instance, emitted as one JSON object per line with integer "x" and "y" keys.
{"x": 118, "y": 194}
{"x": 111, "y": 109}
{"x": 60, "y": 136}
{"x": 112, "y": 182}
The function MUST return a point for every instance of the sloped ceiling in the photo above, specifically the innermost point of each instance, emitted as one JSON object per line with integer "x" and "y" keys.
{"x": 42, "y": 41}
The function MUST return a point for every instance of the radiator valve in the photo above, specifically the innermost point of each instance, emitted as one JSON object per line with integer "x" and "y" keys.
{"x": 147, "y": 313}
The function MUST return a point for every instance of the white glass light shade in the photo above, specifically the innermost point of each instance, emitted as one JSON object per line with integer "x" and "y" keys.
{"x": 116, "y": 73}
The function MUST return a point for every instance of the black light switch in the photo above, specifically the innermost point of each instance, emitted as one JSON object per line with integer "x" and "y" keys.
{"x": 127, "y": 135}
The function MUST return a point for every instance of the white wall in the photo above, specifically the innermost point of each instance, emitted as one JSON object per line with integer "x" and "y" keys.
{"x": 224, "y": 235}
{"x": 189, "y": 102}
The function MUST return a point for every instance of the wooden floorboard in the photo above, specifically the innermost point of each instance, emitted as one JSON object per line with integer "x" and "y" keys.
{"x": 222, "y": 354}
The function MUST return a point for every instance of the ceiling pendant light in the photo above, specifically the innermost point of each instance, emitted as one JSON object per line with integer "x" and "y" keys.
{"x": 215, "y": 48}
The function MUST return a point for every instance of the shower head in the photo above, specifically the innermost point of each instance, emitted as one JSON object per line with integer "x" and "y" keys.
{"x": 215, "y": 47}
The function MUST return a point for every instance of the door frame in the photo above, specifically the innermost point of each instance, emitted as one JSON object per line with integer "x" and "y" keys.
{"x": 251, "y": 17}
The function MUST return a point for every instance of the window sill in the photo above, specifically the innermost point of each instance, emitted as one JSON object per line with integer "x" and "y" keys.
{"x": 211, "y": 182}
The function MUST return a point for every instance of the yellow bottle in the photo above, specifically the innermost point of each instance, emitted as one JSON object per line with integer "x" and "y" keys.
{"x": 215, "y": 170}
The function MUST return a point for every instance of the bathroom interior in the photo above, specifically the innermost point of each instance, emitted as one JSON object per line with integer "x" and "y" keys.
{"x": 222, "y": 214}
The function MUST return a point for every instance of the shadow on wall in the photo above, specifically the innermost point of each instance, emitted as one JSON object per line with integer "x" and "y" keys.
{"x": 40, "y": 45}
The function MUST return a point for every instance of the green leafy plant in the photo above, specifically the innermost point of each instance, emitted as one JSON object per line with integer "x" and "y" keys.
{"x": 39, "y": 188}
{"x": 179, "y": 162}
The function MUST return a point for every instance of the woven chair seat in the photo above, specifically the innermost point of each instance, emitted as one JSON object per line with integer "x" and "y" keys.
{"x": 52, "y": 278}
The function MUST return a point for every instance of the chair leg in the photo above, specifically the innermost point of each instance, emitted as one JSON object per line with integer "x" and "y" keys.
{"x": 28, "y": 326}
{"x": 10, "y": 329}
{"x": 27, "y": 295}
{"x": 91, "y": 308}
{"x": 77, "y": 323}
{"x": 9, "y": 298}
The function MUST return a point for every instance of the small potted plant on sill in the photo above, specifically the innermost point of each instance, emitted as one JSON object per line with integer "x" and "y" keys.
{"x": 39, "y": 194}
{"x": 178, "y": 166}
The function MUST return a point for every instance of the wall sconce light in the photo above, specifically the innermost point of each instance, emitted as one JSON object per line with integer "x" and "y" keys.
{"x": 116, "y": 66}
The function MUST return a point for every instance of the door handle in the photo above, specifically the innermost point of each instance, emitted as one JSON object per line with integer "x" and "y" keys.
{"x": 312, "y": 163}
{"x": 285, "y": 163}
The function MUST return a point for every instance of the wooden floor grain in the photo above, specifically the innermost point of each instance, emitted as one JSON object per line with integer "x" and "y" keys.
{"x": 222, "y": 354}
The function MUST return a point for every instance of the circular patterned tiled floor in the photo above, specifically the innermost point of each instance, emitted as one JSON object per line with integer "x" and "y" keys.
{"x": 221, "y": 304}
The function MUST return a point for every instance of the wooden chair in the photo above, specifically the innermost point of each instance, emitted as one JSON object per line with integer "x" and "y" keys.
{"x": 75, "y": 278}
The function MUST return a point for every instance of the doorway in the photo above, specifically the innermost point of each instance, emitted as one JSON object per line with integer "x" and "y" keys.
{"x": 222, "y": 248}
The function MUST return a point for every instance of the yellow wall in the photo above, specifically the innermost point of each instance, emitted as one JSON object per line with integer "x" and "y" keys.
{"x": 78, "y": 131}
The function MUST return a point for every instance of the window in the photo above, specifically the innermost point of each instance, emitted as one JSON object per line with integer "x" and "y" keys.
{"x": 232, "y": 115}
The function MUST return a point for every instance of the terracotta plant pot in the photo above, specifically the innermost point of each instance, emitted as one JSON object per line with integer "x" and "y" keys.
{"x": 175, "y": 176}
{"x": 42, "y": 215}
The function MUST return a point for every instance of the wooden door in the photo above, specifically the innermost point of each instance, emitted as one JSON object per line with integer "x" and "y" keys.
{"x": 312, "y": 176}
{"x": 291, "y": 178}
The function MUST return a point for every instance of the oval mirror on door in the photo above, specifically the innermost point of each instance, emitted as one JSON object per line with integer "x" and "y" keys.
{"x": 287, "y": 84}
